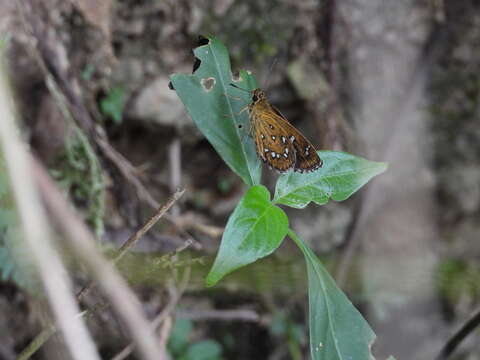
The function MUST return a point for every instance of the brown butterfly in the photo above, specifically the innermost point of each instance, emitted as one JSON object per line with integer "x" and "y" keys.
{"x": 279, "y": 143}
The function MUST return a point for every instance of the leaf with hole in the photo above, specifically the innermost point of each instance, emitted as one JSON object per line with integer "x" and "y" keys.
{"x": 215, "y": 107}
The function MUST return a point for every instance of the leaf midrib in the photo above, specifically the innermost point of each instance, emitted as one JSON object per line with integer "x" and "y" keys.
{"x": 267, "y": 207}
{"x": 244, "y": 154}
{"x": 330, "y": 320}
{"x": 322, "y": 285}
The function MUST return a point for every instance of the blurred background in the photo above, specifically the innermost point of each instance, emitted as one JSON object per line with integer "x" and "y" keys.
{"x": 389, "y": 80}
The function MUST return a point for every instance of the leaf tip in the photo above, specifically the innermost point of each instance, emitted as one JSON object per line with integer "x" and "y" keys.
{"x": 210, "y": 280}
{"x": 383, "y": 166}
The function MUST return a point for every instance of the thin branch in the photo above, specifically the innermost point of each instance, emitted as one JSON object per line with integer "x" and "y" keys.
{"x": 73, "y": 107}
{"x": 127, "y": 245}
{"x": 51, "y": 329}
{"x": 222, "y": 315}
{"x": 165, "y": 331}
{"x": 458, "y": 337}
{"x": 82, "y": 244}
{"x": 128, "y": 171}
{"x": 175, "y": 167}
{"x": 37, "y": 235}
{"x": 164, "y": 314}
{"x": 37, "y": 342}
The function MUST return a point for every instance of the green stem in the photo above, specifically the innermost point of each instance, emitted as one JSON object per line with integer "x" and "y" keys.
{"x": 296, "y": 239}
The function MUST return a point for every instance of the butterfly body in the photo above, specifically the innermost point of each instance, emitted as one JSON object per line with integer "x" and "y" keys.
{"x": 279, "y": 143}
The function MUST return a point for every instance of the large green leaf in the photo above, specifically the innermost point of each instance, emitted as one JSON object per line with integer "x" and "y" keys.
{"x": 341, "y": 175}
{"x": 337, "y": 330}
{"x": 254, "y": 230}
{"x": 215, "y": 106}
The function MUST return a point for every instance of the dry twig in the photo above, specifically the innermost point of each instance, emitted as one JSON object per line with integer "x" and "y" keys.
{"x": 82, "y": 244}
{"x": 175, "y": 296}
{"x": 222, "y": 315}
{"x": 48, "y": 331}
{"x": 37, "y": 233}
{"x": 459, "y": 336}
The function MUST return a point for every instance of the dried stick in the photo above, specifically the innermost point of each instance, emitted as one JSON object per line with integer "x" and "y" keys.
{"x": 164, "y": 314}
{"x": 458, "y": 337}
{"x": 82, "y": 243}
{"x": 37, "y": 233}
{"x": 48, "y": 331}
{"x": 132, "y": 240}
{"x": 222, "y": 315}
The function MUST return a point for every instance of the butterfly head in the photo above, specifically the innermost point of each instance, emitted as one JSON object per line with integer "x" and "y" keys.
{"x": 258, "y": 95}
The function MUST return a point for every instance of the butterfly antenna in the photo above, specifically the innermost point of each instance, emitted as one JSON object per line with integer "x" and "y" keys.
{"x": 272, "y": 65}
{"x": 238, "y": 87}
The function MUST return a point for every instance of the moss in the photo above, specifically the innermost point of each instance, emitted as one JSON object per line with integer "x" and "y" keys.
{"x": 78, "y": 171}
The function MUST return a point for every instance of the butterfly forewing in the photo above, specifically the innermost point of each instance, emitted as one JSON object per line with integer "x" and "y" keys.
{"x": 272, "y": 142}
{"x": 279, "y": 143}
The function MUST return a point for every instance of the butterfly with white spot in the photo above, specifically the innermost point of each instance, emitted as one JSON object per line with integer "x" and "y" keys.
{"x": 279, "y": 143}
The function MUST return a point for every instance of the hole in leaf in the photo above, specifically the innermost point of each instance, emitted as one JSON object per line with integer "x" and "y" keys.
{"x": 196, "y": 64}
{"x": 236, "y": 77}
{"x": 202, "y": 40}
{"x": 240, "y": 126}
{"x": 208, "y": 83}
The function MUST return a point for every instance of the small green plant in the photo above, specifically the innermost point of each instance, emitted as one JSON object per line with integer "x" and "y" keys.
{"x": 113, "y": 103}
{"x": 258, "y": 225}
{"x": 181, "y": 348}
{"x": 78, "y": 171}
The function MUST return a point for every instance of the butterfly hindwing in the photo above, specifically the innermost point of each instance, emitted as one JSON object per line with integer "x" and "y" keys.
{"x": 306, "y": 157}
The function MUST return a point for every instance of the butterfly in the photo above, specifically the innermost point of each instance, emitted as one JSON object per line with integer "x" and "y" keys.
{"x": 278, "y": 143}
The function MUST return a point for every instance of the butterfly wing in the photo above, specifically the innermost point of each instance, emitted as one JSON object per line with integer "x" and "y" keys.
{"x": 271, "y": 140}
{"x": 306, "y": 157}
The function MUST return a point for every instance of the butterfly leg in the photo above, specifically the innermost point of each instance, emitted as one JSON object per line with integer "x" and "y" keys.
{"x": 241, "y": 111}
{"x": 233, "y": 97}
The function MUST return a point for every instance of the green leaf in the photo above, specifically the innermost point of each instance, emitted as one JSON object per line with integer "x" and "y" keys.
{"x": 204, "y": 350}
{"x": 178, "y": 340}
{"x": 112, "y": 105}
{"x": 215, "y": 106}
{"x": 337, "y": 330}
{"x": 341, "y": 175}
{"x": 254, "y": 230}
